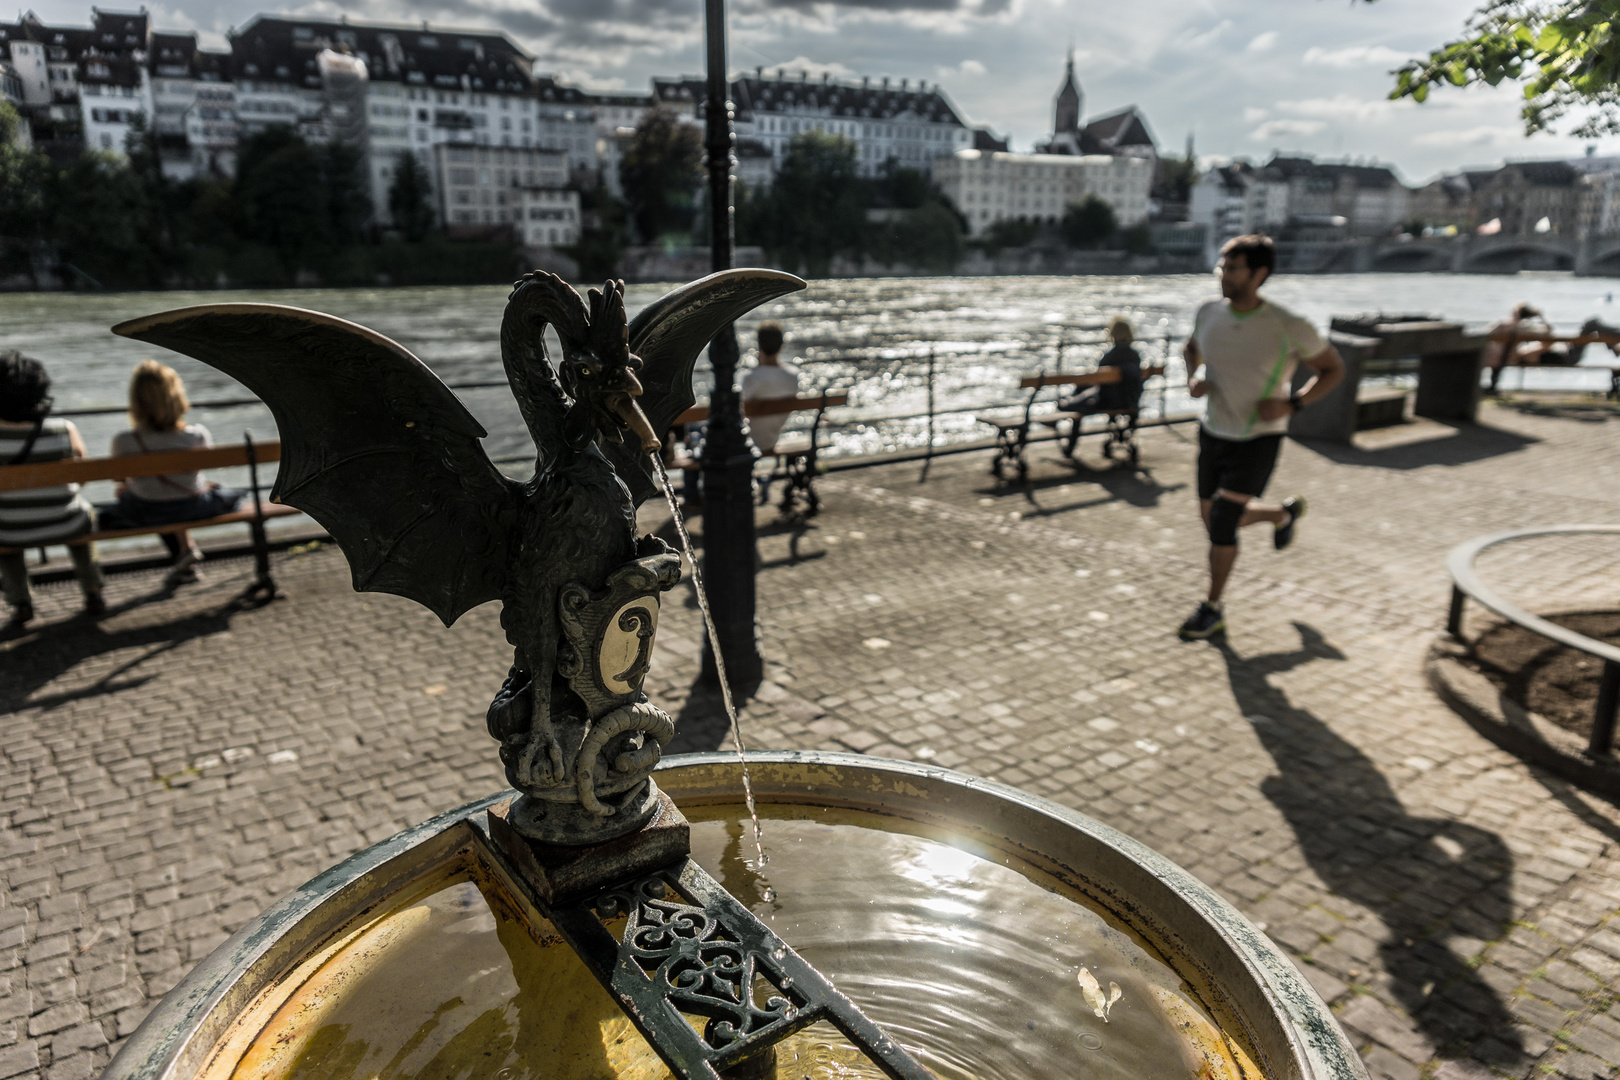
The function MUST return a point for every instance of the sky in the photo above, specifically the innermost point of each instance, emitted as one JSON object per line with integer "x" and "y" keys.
{"x": 1243, "y": 77}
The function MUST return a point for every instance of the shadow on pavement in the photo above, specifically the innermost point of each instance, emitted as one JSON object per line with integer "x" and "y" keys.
{"x": 40, "y": 658}
{"x": 1426, "y": 879}
{"x": 1588, "y": 412}
{"x": 701, "y": 723}
{"x": 1467, "y": 443}
{"x": 1136, "y": 486}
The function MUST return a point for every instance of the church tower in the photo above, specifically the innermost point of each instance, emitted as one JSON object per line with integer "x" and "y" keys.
{"x": 1067, "y": 120}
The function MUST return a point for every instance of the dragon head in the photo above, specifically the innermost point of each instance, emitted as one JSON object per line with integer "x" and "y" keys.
{"x": 599, "y": 373}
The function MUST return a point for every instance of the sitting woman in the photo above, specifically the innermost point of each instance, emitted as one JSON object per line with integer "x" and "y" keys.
{"x": 1124, "y": 394}
{"x": 39, "y": 516}
{"x": 157, "y": 410}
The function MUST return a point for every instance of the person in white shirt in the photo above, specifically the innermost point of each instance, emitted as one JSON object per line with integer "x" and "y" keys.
{"x": 768, "y": 380}
{"x": 1241, "y": 357}
{"x": 157, "y": 422}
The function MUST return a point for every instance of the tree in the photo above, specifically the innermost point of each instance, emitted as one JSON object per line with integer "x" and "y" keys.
{"x": 280, "y": 193}
{"x": 816, "y": 207}
{"x": 22, "y": 181}
{"x": 408, "y": 198}
{"x": 660, "y": 174}
{"x": 97, "y": 219}
{"x": 1089, "y": 222}
{"x": 348, "y": 202}
{"x": 1176, "y": 177}
{"x": 1565, "y": 52}
{"x": 929, "y": 237}
{"x": 1009, "y": 232}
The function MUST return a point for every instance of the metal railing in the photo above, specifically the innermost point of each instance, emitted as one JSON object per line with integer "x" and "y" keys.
{"x": 925, "y": 363}
{"x": 1466, "y": 583}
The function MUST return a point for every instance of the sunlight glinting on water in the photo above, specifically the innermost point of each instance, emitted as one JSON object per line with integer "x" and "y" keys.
{"x": 870, "y": 337}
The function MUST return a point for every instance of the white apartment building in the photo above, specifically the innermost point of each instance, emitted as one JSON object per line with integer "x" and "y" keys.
{"x": 523, "y": 187}
{"x": 988, "y": 187}
{"x": 912, "y": 125}
{"x": 549, "y": 216}
{"x": 193, "y": 107}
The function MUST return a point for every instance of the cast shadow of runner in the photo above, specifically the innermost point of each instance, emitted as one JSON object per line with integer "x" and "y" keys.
{"x": 1426, "y": 879}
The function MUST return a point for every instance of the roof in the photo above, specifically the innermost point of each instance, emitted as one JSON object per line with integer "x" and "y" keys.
{"x": 984, "y": 140}
{"x": 830, "y": 97}
{"x": 1127, "y": 127}
{"x": 277, "y": 49}
{"x": 1371, "y": 177}
{"x": 117, "y": 30}
{"x": 1546, "y": 173}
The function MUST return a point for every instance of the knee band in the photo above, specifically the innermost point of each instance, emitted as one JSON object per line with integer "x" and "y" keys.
{"x": 1224, "y": 518}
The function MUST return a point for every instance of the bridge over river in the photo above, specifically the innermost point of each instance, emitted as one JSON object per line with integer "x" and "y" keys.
{"x": 1596, "y": 256}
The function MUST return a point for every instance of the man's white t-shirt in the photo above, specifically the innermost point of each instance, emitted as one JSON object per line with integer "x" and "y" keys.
{"x": 763, "y": 382}
{"x": 1248, "y": 358}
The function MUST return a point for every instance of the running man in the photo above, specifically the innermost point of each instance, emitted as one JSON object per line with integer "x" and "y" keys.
{"x": 1242, "y": 355}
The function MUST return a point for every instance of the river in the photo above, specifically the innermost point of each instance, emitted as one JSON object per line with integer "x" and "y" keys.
{"x": 870, "y": 337}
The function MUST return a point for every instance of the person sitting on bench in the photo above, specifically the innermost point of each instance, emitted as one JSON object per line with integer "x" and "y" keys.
{"x": 768, "y": 380}
{"x": 39, "y": 516}
{"x": 1124, "y": 394}
{"x": 157, "y": 410}
{"x": 1593, "y": 327}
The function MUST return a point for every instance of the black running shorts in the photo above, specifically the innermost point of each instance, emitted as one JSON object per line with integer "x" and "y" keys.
{"x": 1241, "y": 466}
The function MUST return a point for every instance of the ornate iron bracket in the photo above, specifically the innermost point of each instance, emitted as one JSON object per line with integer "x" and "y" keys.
{"x": 689, "y": 948}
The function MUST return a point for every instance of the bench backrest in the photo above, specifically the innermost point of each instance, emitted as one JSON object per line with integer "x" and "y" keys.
{"x": 51, "y": 473}
{"x": 771, "y": 406}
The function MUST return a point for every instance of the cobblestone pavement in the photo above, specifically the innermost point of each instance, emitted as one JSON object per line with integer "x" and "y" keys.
{"x": 173, "y": 768}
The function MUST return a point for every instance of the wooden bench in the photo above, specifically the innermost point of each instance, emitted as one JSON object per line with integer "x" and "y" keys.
{"x": 1012, "y": 433}
{"x": 1511, "y": 339}
{"x": 794, "y": 459}
{"x": 252, "y": 454}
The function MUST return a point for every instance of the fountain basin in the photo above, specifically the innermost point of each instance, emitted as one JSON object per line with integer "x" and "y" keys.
{"x": 966, "y": 917}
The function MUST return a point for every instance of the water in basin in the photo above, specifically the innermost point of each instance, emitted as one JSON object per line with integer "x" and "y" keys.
{"x": 982, "y": 967}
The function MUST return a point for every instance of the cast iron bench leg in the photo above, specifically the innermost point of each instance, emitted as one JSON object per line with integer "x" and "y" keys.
{"x": 264, "y": 586}
{"x": 1603, "y": 716}
{"x": 1454, "y": 619}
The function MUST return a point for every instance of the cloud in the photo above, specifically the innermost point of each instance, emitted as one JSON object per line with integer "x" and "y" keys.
{"x": 1355, "y": 56}
{"x": 1286, "y": 129}
{"x": 1484, "y": 135}
{"x": 1262, "y": 42}
{"x": 966, "y": 67}
{"x": 1190, "y": 40}
{"x": 1343, "y": 107}
{"x": 1252, "y": 114}
{"x": 816, "y": 68}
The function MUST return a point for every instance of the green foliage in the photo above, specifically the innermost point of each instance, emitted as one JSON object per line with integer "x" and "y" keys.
{"x": 409, "y": 204}
{"x": 1089, "y": 223}
{"x": 660, "y": 174}
{"x": 1565, "y": 52}
{"x": 22, "y": 182}
{"x": 603, "y": 234}
{"x": 1009, "y": 232}
{"x": 1138, "y": 239}
{"x": 816, "y": 208}
{"x": 294, "y": 208}
{"x": 1177, "y": 175}
{"x": 929, "y": 237}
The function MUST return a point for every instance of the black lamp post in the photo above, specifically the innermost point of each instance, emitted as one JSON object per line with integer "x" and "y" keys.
{"x": 728, "y": 455}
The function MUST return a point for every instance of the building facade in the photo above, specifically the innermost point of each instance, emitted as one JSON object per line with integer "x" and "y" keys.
{"x": 523, "y": 188}
{"x": 988, "y": 187}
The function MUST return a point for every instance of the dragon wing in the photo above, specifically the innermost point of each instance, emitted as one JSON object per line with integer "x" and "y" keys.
{"x": 668, "y": 334}
{"x": 374, "y": 447}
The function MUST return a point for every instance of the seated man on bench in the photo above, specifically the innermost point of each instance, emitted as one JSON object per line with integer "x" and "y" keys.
{"x": 769, "y": 380}
{"x": 1122, "y": 396}
{"x": 39, "y": 516}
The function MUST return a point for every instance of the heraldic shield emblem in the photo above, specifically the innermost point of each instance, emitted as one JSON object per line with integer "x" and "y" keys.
{"x": 608, "y": 636}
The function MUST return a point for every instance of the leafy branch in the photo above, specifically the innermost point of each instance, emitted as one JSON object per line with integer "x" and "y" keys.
{"x": 1565, "y": 52}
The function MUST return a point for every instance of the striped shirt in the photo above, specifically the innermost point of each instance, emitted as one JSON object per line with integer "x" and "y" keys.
{"x": 40, "y": 515}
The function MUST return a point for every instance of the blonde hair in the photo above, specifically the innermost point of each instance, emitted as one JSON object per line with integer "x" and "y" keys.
{"x": 157, "y": 397}
{"x": 1118, "y": 323}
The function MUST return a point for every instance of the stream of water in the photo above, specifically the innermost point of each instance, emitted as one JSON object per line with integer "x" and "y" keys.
{"x": 719, "y": 663}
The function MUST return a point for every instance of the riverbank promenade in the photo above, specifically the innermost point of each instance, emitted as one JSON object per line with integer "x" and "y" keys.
{"x": 169, "y": 771}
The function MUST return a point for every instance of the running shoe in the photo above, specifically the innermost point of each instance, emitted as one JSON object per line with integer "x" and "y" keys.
{"x": 1284, "y": 534}
{"x": 1206, "y": 622}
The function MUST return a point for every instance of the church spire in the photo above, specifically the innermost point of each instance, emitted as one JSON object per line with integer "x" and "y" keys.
{"x": 1067, "y": 118}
